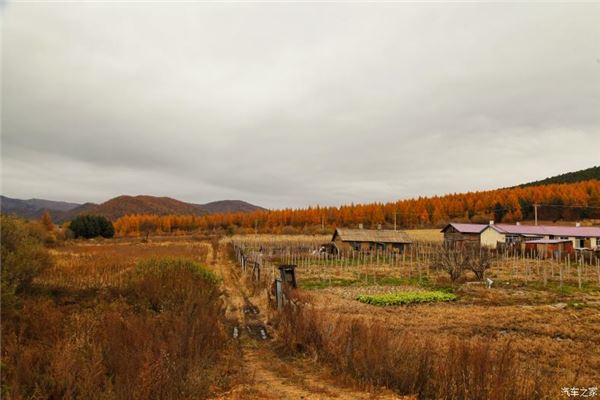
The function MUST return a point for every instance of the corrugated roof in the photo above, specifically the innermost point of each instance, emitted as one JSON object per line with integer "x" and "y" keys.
{"x": 548, "y": 241}
{"x": 548, "y": 230}
{"x": 371, "y": 235}
{"x": 466, "y": 228}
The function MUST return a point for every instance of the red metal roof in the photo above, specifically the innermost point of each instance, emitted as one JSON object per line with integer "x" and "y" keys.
{"x": 548, "y": 230}
{"x": 466, "y": 228}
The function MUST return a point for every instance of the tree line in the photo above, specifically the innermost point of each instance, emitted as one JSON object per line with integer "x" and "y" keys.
{"x": 572, "y": 201}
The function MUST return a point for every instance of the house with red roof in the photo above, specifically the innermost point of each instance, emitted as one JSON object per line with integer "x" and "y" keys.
{"x": 581, "y": 237}
{"x": 489, "y": 235}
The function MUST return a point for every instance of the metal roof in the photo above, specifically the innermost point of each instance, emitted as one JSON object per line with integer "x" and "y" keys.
{"x": 466, "y": 228}
{"x": 548, "y": 230}
{"x": 548, "y": 241}
{"x": 371, "y": 235}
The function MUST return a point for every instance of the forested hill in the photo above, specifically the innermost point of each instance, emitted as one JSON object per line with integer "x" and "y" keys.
{"x": 569, "y": 177}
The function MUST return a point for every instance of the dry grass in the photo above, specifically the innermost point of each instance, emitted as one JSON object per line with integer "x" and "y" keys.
{"x": 541, "y": 326}
{"x": 425, "y": 235}
{"x": 550, "y": 333}
{"x": 95, "y": 327}
{"x": 85, "y": 265}
{"x": 426, "y": 366}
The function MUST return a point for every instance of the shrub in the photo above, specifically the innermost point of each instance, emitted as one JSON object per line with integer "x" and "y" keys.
{"x": 23, "y": 258}
{"x": 457, "y": 260}
{"x": 120, "y": 347}
{"x": 168, "y": 283}
{"x": 90, "y": 226}
{"x": 406, "y": 298}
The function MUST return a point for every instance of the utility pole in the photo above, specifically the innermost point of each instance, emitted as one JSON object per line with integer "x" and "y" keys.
{"x": 395, "y": 220}
{"x": 535, "y": 206}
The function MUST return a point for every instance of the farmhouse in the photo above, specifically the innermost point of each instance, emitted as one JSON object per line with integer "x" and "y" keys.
{"x": 581, "y": 237}
{"x": 370, "y": 239}
{"x": 462, "y": 234}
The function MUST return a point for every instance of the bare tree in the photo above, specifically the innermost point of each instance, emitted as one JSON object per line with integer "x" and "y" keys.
{"x": 480, "y": 261}
{"x": 451, "y": 259}
{"x": 456, "y": 260}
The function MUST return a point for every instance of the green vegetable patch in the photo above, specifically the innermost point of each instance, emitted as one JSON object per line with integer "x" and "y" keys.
{"x": 406, "y": 298}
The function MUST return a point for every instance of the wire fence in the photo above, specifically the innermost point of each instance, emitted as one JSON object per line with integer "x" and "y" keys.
{"x": 415, "y": 263}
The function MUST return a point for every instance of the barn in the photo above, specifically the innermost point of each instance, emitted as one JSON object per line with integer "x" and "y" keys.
{"x": 370, "y": 239}
{"x": 457, "y": 234}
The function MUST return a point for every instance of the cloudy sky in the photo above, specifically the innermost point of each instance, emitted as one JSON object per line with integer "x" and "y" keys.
{"x": 293, "y": 104}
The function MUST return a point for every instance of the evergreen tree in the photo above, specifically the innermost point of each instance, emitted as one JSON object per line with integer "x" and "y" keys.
{"x": 90, "y": 226}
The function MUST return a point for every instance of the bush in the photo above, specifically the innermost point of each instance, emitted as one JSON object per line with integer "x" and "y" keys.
{"x": 91, "y": 226}
{"x": 121, "y": 347}
{"x": 23, "y": 258}
{"x": 406, "y": 298}
{"x": 168, "y": 283}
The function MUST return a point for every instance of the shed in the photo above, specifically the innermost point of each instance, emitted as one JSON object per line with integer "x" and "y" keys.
{"x": 462, "y": 234}
{"x": 370, "y": 239}
{"x": 549, "y": 247}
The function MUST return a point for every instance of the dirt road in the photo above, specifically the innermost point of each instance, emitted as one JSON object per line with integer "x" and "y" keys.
{"x": 269, "y": 375}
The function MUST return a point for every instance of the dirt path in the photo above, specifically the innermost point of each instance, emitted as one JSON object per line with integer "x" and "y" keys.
{"x": 269, "y": 375}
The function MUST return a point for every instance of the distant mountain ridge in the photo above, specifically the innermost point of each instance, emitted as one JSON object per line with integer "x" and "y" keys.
{"x": 34, "y": 208}
{"x": 120, "y": 206}
{"x": 569, "y": 177}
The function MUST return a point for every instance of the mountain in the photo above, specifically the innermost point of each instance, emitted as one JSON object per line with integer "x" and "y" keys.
{"x": 569, "y": 177}
{"x": 127, "y": 205}
{"x": 228, "y": 206}
{"x": 120, "y": 206}
{"x": 34, "y": 208}
{"x": 123, "y": 205}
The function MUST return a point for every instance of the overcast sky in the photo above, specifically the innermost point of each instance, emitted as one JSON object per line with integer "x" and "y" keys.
{"x": 294, "y": 104}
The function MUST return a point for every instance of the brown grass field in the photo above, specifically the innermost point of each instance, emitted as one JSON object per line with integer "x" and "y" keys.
{"x": 85, "y": 331}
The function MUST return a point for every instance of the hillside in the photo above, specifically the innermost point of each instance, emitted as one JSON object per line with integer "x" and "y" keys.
{"x": 229, "y": 206}
{"x": 124, "y": 205}
{"x": 120, "y": 206}
{"x": 34, "y": 208}
{"x": 569, "y": 177}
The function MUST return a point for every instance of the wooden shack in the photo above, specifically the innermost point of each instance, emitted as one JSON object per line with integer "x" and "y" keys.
{"x": 370, "y": 239}
{"x": 547, "y": 248}
{"x": 457, "y": 234}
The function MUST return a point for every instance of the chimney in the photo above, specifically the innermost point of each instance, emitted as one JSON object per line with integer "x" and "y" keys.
{"x": 518, "y": 223}
{"x": 360, "y": 226}
{"x": 577, "y": 224}
{"x": 492, "y": 222}
{"x": 378, "y": 227}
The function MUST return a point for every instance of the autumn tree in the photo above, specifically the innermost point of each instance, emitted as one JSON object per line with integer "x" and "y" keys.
{"x": 47, "y": 221}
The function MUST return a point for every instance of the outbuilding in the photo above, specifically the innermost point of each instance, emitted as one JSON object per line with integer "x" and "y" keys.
{"x": 458, "y": 234}
{"x": 546, "y": 248}
{"x": 370, "y": 239}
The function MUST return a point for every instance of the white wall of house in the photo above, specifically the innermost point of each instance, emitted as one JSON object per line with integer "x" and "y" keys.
{"x": 490, "y": 238}
{"x": 576, "y": 242}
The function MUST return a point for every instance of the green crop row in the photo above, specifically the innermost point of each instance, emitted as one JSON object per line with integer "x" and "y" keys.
{"x": 406, "y": 298}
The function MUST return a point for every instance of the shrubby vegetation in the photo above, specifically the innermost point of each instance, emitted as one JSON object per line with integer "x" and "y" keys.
{"x": 91, "y": 226}
{"x": 157, "y": 333}
{"x": 425, "y": 367}
{"x": 23, "y": 258}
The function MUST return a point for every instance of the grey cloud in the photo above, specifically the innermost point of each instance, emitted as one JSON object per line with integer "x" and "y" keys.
{"x": 294, "y": 104}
